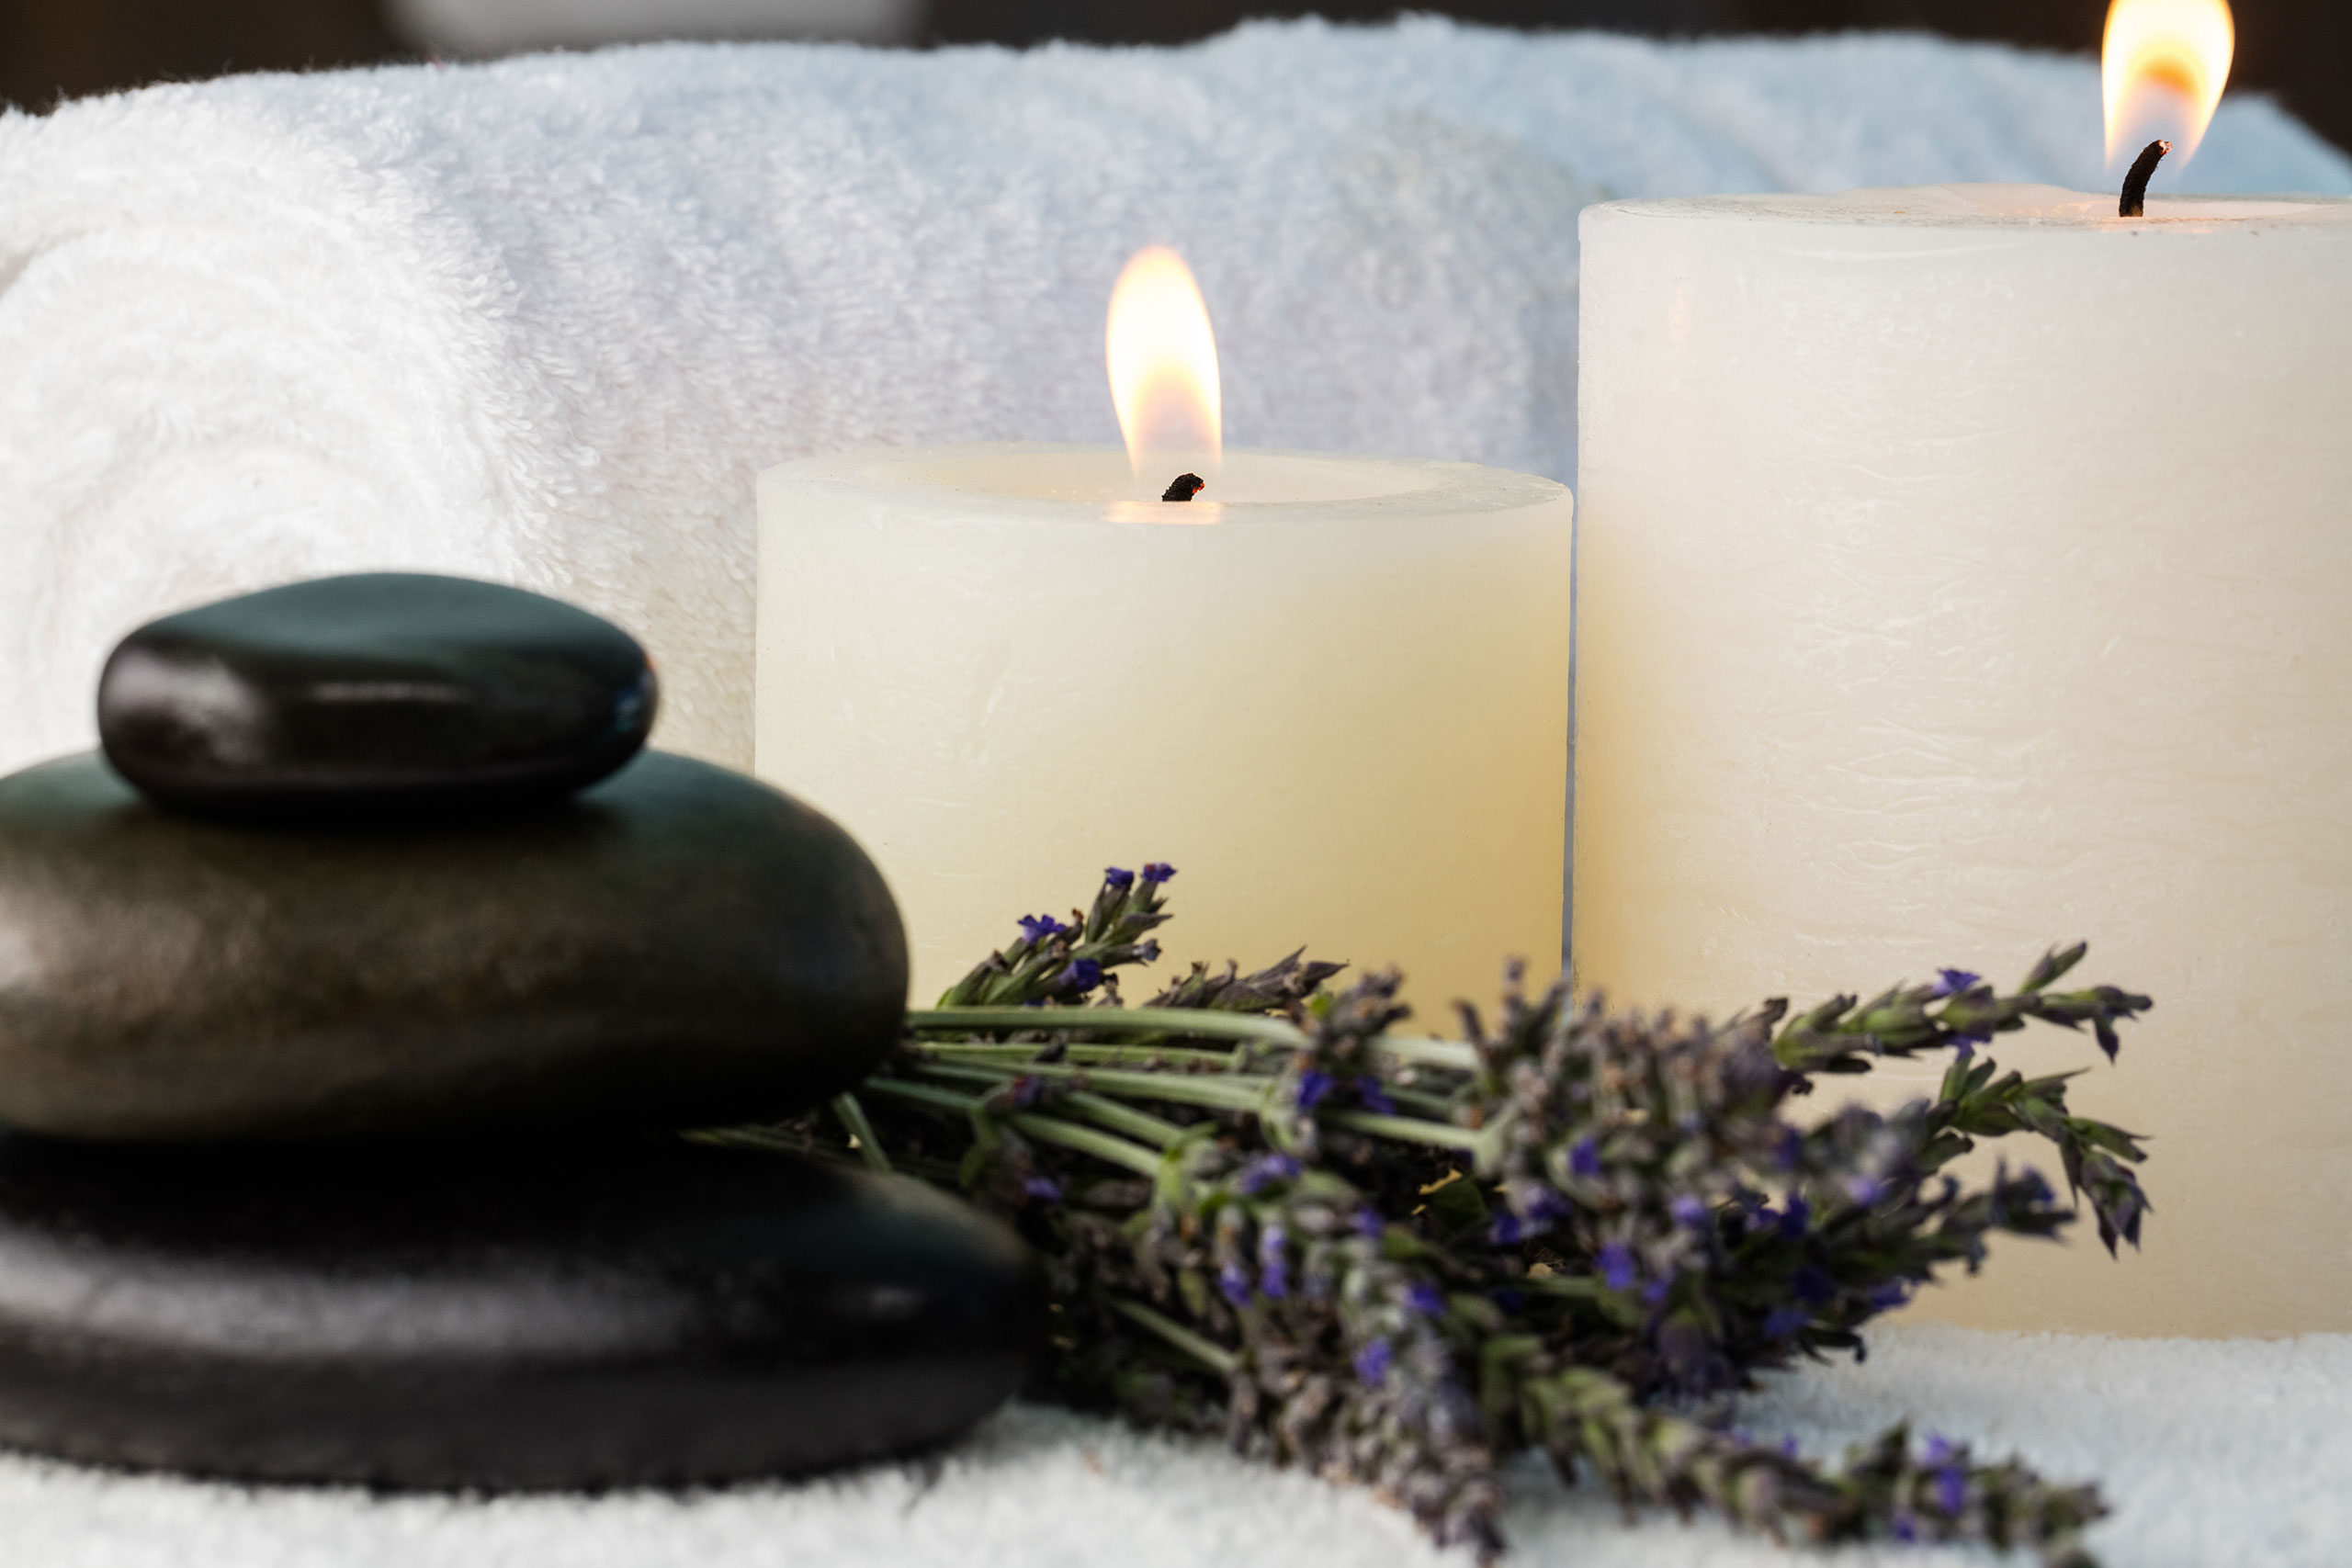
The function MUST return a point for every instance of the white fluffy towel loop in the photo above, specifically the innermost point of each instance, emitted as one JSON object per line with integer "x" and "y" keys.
{"x": 543, "y": 320}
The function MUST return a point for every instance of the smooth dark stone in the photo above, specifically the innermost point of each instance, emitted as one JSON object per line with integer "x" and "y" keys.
{"x": 384, "y": 692}
{"x": 631, "y": 1313}
{"x": 678, "y": 946}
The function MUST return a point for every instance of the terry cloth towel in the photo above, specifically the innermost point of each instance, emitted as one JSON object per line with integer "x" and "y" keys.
{"x": 543, "y": 320}
{"x": 2229, "y": 1455}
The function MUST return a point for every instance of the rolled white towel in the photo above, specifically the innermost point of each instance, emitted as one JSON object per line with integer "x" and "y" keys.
{"x": 504, "y": 27}
{"x": 543, "y": 320}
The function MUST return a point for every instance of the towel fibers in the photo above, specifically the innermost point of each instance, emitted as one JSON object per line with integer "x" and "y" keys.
{"x": 542, "y": 320}
{"x": 2232, "y": 1455}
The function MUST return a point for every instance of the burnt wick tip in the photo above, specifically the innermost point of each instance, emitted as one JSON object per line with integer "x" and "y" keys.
{"x": 1186, "y": 487}
{"x": 2135, "y": 183}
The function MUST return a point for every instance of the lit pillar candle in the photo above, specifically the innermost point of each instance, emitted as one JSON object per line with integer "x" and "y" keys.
{"x": 1965, "y": 570}
{"x": 1332, "y": 691}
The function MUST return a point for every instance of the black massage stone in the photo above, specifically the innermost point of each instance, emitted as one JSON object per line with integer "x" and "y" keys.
{"x": 383, "y": 691}
{"x": 501, "y": 1317}
{"x": 678, "y": 946}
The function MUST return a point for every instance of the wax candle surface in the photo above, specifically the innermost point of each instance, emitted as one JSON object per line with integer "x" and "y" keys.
{"x": 1968, "y": 570}
{"x": 1332, "y": 691}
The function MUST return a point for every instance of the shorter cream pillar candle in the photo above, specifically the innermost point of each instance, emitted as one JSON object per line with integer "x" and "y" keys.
{"x": 1332, "y": 691}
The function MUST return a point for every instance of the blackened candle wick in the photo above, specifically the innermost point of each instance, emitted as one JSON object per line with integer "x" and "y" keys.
{"x": 1186, "y": 487}
{"x": 2135, "y": 183}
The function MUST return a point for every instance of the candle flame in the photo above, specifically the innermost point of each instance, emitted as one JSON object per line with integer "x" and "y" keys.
{"x": 2162, "y": 72}
{"x": 1162, "y": 357}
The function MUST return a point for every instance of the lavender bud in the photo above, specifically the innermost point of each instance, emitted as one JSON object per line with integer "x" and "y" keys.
{"x": 1951, "y": 982}
{"x": 1617, "y": 1270}
{"x": 1273, "y": 1262}
{"x": 1234, "y": 1282}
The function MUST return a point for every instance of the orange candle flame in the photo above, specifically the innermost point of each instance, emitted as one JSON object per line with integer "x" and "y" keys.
{"x": 1162, "y": 358}
{"x": 2162, "y": 72}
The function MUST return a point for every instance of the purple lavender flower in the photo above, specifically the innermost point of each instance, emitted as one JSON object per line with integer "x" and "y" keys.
{"x": 1782, "y": 1321}
{"x": 1865, "y": 1190}
{"x": 1545, "y": 1208}
{"x": 1374, "y": 1098}
{"x": 1903, "y": 1527}
{"x": 1037, "y": 928}
{"x": 1507, "y": 1299}
{"x": 1371, "y": 1362}
{"x": 1312, "y": 1086}
{"x": 1082, "y": 975}
{"x": 1506, "y": 1231}
{"x": 1951, "y": 982}
{"x": 1585, "y": 1158}
{"x": 1118, "y": 879}
{"x": 1811, "y": 1286}
{"x": 1234, "y": 1281}
{"x": 1950, "y": 1475}
{"x": 2033, "y": 1187}
{"x": 1791, "y": 1150}
{"x": 1688, "y": 1212}
{"x": 1158, "y": 872}
{"x": 1655, "y": 1292}
{"x": 1617, "y": 1270}
{"x": 1266, "y": 1168}
{"x": 2124, "y": 1216}
{"x": 1795, "y": 1216}
{"x": 1424, "y": 1298}
{"x": 1889, "y": 1296}
{"x": 1273, "y": 1261}
{"x": 1044, "y": 1188}
{"x": 1370, "y": 1226}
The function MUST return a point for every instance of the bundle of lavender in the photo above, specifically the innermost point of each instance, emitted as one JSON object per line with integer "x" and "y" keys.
{"x": 1397, "y": 1260}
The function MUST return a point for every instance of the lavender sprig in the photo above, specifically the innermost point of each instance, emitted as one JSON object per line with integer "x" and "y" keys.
{"x": 1841, "y": 1037}
{"x": 1057, "y": 962}
{"x": 1397, "y": 1260}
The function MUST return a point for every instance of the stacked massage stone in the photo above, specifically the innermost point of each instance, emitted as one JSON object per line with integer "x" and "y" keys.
{"x": 351, "y": 1004}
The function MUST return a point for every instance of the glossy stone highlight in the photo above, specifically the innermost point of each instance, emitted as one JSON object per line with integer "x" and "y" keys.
{"x": 622, "y": 1312}
{"x": 679, "y": 946}
{"x": 386, "y": 690}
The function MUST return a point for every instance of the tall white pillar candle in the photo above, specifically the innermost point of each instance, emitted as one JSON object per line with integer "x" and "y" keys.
{"x": 1331, "y": 692}
{"x": 1965, "y": 570}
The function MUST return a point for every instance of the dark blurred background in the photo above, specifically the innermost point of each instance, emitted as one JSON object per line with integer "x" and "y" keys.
{"x": 2299, "y": 50}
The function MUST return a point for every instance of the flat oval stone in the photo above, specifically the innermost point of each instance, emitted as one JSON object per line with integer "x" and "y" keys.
{"x": 588, "y": 1315}
{"x": 678, "y": 946}
{"x": 386, "y": 690}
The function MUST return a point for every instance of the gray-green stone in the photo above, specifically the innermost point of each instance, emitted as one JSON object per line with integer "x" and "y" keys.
{"x": 678, "y": 946}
